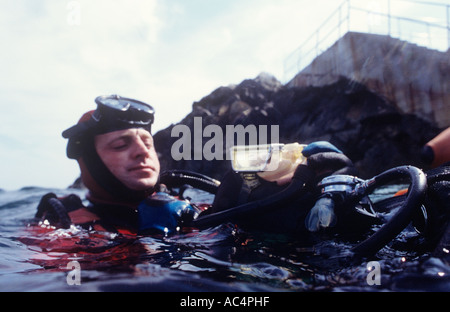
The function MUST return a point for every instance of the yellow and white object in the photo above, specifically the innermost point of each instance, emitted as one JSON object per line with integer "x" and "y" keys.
{"x": 271, "y": 161}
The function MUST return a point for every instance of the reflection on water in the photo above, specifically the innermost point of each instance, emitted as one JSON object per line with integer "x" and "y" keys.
{"x": 36, "y": 258}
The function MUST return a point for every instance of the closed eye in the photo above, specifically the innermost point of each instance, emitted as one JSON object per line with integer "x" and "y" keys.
{"x": 119, "y": 144}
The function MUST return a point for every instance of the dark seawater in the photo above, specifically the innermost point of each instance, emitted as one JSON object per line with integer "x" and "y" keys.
{"x": 224, "y": 258}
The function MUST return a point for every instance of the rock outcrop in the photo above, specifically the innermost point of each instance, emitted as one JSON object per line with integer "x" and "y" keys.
{"x": 371, "y": 131}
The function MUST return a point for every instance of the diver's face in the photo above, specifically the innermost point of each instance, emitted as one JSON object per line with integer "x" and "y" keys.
{"x": 131, "y": 157}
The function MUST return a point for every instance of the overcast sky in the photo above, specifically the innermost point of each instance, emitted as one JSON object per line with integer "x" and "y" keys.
{"x": 57, "y": 56}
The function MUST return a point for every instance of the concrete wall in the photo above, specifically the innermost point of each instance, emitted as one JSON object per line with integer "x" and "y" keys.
{"x": 414, "y": 78}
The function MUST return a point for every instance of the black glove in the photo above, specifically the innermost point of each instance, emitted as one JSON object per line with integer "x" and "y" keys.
{"x": 325, "y": 159}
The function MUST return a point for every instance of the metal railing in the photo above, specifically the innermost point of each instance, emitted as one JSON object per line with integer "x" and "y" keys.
{"x": 381, "y": 20}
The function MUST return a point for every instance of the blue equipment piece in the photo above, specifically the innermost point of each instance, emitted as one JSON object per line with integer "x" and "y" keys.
{"x": 164, "y": 213}
{"x": 320, "y": 147}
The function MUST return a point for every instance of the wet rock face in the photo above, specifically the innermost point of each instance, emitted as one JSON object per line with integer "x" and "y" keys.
{"x": 369, "y": 129}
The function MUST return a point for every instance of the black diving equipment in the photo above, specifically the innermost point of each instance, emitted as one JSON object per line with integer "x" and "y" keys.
{"x": 343, "y": 201}
{"x": 53, "y": 210}
{"x": 113, "y": 113}
{"x": 117, "y": 108}
{"x": 181, "y": 178}
{"x": 295, "y": 189}
{"x": 341, "y": 195}
{"x": 338, "y": 190}
{"x": 269, "y": 176}
{"x": 351, "y": 192}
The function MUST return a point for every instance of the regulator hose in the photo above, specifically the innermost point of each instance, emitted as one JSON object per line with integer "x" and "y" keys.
{"x": 301, "y": 177}
{"x": 51, "y": 208}
{"x": 61, "y": 212}
{"x": 413, "y": 202}
{"x": 178, "y": 178}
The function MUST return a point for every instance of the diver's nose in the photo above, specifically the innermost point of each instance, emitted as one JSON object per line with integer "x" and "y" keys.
{"x": 141, "y": 149}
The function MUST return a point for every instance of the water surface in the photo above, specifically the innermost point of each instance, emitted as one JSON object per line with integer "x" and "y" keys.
{"x": 224, "y": 258}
